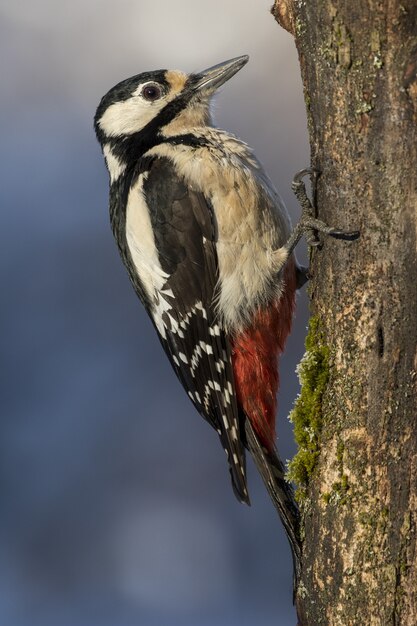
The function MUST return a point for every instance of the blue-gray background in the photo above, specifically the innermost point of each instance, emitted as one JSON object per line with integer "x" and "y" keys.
{"x": 116, "y": 504}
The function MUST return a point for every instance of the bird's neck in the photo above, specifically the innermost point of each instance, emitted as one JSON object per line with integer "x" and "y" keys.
{"x": 191, "y": 117}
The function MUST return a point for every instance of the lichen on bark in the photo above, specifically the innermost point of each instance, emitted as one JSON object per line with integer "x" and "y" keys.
{"x": 307, "y": 414}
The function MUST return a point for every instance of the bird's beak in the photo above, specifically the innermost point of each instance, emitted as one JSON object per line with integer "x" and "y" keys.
{"x": 212, "y": 78}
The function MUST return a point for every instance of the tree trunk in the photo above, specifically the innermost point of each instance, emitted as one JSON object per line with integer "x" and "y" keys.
{"x": 356, "y": 419}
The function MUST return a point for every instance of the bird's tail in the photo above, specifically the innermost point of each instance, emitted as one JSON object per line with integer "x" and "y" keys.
{"x": 272, "y": 471}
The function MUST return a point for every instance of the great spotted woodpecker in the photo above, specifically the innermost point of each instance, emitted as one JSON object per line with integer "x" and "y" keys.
{"x": 206, "y": 240}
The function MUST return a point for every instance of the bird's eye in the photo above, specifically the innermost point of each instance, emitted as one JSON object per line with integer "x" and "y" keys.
{"x": 151, "y": 92}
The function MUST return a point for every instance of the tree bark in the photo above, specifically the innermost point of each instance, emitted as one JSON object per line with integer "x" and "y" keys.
{"x": 356, "y": 419}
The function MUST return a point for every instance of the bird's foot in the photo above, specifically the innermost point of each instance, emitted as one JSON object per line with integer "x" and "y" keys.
{"x": 309, "y": 225}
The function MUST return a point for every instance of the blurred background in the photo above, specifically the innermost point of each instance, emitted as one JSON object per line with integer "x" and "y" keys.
{"x": 116, "y": 503}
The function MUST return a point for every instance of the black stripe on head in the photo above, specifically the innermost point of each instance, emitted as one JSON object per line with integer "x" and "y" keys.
{"x": 131, "y": 147}
{"x": 123, "y": 91}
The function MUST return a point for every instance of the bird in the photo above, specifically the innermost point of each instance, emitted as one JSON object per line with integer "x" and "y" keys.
{"x": 208, "y": 246}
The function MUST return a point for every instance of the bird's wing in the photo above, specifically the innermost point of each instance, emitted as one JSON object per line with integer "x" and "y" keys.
{"x": 183, "y": 310}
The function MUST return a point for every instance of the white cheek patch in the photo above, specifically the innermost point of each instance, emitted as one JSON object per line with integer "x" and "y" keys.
{"x": 129, "y": 116}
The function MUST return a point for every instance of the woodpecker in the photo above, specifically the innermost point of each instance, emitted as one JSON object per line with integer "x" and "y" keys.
{"x": 207, "y": 243}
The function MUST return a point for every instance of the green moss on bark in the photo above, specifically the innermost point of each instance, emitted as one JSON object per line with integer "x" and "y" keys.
{"x": 307, "y": 415}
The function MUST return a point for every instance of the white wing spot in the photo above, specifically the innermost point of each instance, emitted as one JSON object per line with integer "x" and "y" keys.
{"x": 161, "y": 307}
{"x": 175, "y": 327}
{"x": 197, "y": 354}
{"x": 206, "y": 397}
{"x": 183, "y": 357}
{"x": 199, "y": 306}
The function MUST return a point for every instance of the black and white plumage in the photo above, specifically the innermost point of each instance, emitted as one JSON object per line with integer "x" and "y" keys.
{"x": 181, "y": 306}
{"x": 167, "y": 231}
{"x": 206, "y": 240}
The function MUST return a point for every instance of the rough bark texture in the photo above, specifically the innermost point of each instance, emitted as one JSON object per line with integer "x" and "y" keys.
{"x": 358, "y": 478}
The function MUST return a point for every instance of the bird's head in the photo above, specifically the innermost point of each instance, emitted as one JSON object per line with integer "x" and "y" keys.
{"x": 140, "y": 111}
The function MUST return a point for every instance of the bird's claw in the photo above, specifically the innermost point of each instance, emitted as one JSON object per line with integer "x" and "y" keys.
{"x": 346, "y": 235}
{"x": 307, "y": 171}
{"x": 309, "y": 224}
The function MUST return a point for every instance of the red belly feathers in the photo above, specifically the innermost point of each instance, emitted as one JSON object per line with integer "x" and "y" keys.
{"x": 255, "y": 353}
